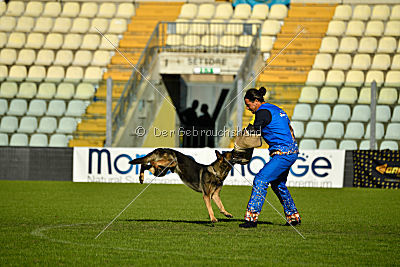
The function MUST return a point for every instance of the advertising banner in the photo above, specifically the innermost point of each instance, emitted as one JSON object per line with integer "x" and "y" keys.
{"x": 378, "y": 169}
{"x": 313, "y": 168}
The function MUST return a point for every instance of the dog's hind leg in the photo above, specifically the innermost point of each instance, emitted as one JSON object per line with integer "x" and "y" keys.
{"x": 218, "y": 201}
{"x": 144, "y": 167}
{"x": 207, "y": 200}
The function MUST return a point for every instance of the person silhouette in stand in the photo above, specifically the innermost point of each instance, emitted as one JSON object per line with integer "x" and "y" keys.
{"x": 190, "y": 122}
{"x": 206, "y": 124}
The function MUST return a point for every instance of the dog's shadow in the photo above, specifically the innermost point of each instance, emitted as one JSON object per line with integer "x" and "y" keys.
{"x": 205, "y": 222}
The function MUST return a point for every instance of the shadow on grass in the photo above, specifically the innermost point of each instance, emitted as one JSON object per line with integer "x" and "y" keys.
{"x": 205, "y": 223}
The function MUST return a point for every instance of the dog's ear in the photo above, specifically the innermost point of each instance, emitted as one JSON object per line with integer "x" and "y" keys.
{"x": 219, "y": 155}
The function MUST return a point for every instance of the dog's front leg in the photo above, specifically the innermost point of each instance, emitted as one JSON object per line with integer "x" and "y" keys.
{"x": 218, "y": 201}
{"x": 207, "y": 200}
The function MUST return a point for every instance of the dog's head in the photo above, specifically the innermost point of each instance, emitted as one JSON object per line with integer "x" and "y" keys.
{"x": 223, "y": 163}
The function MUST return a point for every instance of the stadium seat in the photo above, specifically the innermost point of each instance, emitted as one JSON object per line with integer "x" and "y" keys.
{"x": 315, "y": 78}
{"x": 62, "y": 25}
{"x": 321, "y": 112}
{"x": 117, "y": 26}
{"x": 26, "y": 57}
{"x": 228, "y": 42}
{"x": 47, "y": 125}
{"x": 8, "y": 56}
{"x": 329, "y": 45}
{"x": 9, "y": 124}
{"x": 3, "y": 139}
{"x": 8, "y": 89}
{"x": 392, "y": 78}
{"x": 101, "y": 58}
{"x": 33, "y": 9}
{"x": 355, "y": 28}
{"x": 367, "y": 45}
{"x": 270, "y": 27}
{"x": 74, "y": 74}
{"x": 308, "y": 94}
{"x": 125, "y": 10}
{"x": 65, "y": 91}
{"x": 361, "y": 113}
{"x": 365, "y": 96}
{"x": 174, "y": 41}
{"x": 52, "y": 9}
{"x": 341, "y": 112}
{"x": 374, "y": 28}
{"x": 298, "y": 128}
{"x": 396, "y": 114}
{"x": 38, "y": 140}
{"x": 93, "y": 75}
{"x": 35, "y": 40}
{"x": 67, "y": 125}
{"x": 327, "y": 144}
{"x": 266, "y": 43}
{"x": 3, "y": 106}
{"x": 322, "y": 62}
{"x": 188, "y": 11}
{"x": 3, "y": 39}
{"x": 380, "y": 12}
{"x": 53, "y": 41}
{"x": 18, "y": 107}
{"x": 3, "y": 7}
{"x": 70, "y": 10}
{"x": 80, "y": 25}
{"x": 107, "y": 10}
{"x": 307, "y": 144}
{"x": 27, "y": 90}
{"x": 99, "y": 25}
{"x": 82, "y": 58}
{"x": 361, "y": 62}
{"x": 334, "y": 78}
{"x": 7, "y": 24}
{"x": 361, "y": 12}
{"x": 379, "y": 131}
{"x": 381, "y": 62}
{"x": 354, "y": 78}
{"x": 43, "y": 24}
{"x": 348, "y": 145}
{"x": 374, "y": 75}
{"x": 278, "y": 11}
{"x": 16, "y": 40}
{"x": 387, "y": 144}
{"x": 366, "y": 145}
{"x": 15, "y": 8}
{"x": 90, "y": 41}
{"x": 383, "y": 113}
{"x": 198, "y": 26}
{"x": 45, "y": 57}
{"x": 301, "y": 112}
{"x": 245, "y": 41}
{"x": 260, "y": 11}
{"x": 242, "y": 11}
{"x": 342, "y": 12}
{"x": 56, "y": 108}
{"x": 27, "y": 125}
{"x": 341, "y": 62}
{"x": 225, "y": 11}
{"x": 19, "y": 139}
{"x": 334, "y": 130}
{"x": 209, "y": 41}
{"x": 387, "y": 96}
{"x": 392, "y": 28}
{"x": 191, "y": 42}
{"x": 55, "y": 74}
{"x": 46, "y": 91}
{"x": 36, "y": 74}
{"x": 58, "y": 140}
{"x": 354, "y": 130}
{"x": 314, "y": 129}
{"x": 348, "y": 45}
{"x": 347, "y": 95}
{"x": 37, "y": 107}
{"x": 392, "y": 131}
{"x": 84, "y": 91}
{"x": 336, "y": 28}
{"x": 63, "y": 58}
{"x": 17, "y": 73}
{"x": 72, "y": 41}
{"x": 328, "y": 95}
{"x": 24, "y": 24}
{"x": 386, "y": 45}
{"x": 88, "y": 10}
{"x": 395, "y": 63}
{"x": 182, "y": 27}
{"x": 395, "y": 15}
{"x": 3, "y": 72}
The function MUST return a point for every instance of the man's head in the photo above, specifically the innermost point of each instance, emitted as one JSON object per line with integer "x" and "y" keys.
{"x": 254, "y": 98}
{"x": 195, "y": 104}
{"x": 204, "y": 108}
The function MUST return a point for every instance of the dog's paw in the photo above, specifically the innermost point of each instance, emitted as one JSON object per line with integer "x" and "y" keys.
{"x": 214, "y": 220}
{"x": 227, "y": 214}
{"x": 141, "y": 178}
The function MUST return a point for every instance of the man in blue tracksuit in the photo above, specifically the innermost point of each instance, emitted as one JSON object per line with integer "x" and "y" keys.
{"x": 274, "y": 125}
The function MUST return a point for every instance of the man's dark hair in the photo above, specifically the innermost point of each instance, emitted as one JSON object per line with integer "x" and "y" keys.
{"x": 254, "y": 94}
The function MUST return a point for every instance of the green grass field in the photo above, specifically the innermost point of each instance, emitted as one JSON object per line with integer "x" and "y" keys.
{"x": 55, "y": 223}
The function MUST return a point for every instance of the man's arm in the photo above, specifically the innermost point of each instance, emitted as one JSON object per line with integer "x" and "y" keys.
{"x": 262, "y": 118}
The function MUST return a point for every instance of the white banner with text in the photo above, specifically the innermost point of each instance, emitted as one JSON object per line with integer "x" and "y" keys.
{"x": 313, "y": 168}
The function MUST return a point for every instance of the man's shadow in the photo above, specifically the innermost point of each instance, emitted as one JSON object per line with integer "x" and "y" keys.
{"x": 205, "y": 222}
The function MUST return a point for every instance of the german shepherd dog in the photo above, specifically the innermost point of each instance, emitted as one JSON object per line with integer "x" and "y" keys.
{"x": 207, "y": 179}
